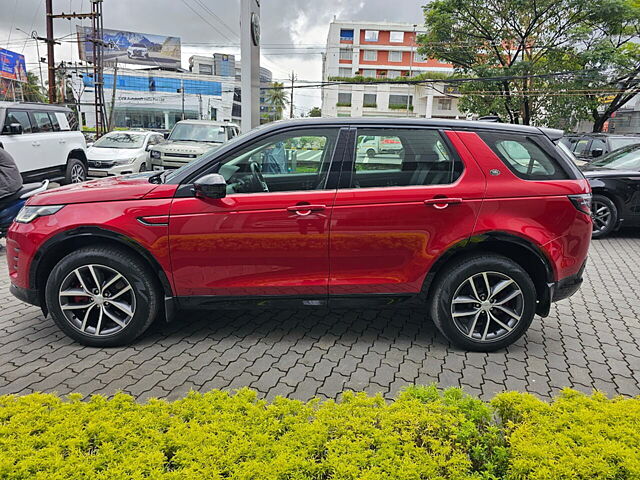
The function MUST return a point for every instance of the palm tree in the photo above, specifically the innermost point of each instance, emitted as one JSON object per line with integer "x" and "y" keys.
{"x": 277, "y": 99}
{"x": 31, "y": 89}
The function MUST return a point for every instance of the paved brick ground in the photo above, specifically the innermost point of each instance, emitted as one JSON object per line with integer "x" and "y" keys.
{"x": 590, "y": 341}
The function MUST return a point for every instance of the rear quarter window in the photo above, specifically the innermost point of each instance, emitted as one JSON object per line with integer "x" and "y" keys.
{"x": 525, "y": 157}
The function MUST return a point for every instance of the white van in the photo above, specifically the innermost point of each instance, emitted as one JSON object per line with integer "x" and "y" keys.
{"x": 42, "y": 141}
{"x": 372, "y": 146}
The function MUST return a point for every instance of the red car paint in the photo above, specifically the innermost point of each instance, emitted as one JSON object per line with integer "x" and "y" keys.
{"x": 347, "y": 241}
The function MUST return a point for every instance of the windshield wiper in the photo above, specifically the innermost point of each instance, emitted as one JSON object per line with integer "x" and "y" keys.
{"x": 158, "y": 178}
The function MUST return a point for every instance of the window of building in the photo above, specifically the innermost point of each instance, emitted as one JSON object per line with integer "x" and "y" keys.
{"x": 371, "y": 35}
{"x": 370, "y": 100}
{"x": 344, "y": 99}
{"x": 524, "y": 157}
{"x": 367, "y": 72}
{"x": 444, "y": 104}
{"x": 346, "y": 34}
{"x": 400, "y": 101}
{"x": 204, "y": 69}
{"x": 387, "y": 157}
{"x": 370, "y": 55}
{"x": 17, "y": 117}
{"x": 289, "y": 161}
{"x": 395, "y": 56}
{"x": 419, "y": 57}
{"x": 344, "y": 72}
{"x": 393, "y": 74}
{"x": 346, "y": 54}
{"x": 396, "y": 37}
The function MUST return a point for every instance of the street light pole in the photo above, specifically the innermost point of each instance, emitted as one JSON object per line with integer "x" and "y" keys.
{"x": 413, "y": 42}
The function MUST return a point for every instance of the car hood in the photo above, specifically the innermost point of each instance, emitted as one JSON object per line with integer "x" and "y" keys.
{"x": 194, "y": 148}
{"x": 600, "y": 172}
{"x": 109, "y": 189}
{"x": 94, "y": 153}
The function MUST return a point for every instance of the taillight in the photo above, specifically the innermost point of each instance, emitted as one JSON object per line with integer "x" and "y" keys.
{"x": 582, "y": 202}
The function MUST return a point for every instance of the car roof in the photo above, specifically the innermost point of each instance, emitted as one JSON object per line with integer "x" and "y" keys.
{"x": 207, "y": 122}
{"x": 422, "y": 122}
{"x": 35, "y": 106}
{"x": 140, "y": 132}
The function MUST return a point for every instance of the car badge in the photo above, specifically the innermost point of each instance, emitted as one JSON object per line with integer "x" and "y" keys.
{"x": 495, "y": 172}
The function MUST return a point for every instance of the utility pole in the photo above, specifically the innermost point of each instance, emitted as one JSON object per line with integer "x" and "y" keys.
{"x": 50, "y": 53}
{"x": 182, "y": 91}
{"x": 113, "y": 97}
{"x": 293, "y": 78}
{"x": 413, "y": 42}
{"x": 200, "y": 105}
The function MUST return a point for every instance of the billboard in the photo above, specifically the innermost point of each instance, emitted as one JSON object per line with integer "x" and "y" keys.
{"x": 12, "y": 66}
{"x": 132, "y": 47}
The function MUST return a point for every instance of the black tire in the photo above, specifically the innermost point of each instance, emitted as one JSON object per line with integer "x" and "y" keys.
{"x": 605, "y": 216}
{"x": 455, "y": 277}
{"x": 143, "y": 283}
{"x": 371, "y": 153}
{"x": 76, "y": 171}
{"x": 143, "y": 167}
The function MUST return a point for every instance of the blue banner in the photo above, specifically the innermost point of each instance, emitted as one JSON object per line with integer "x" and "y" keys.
{"x": 12, "y": 66}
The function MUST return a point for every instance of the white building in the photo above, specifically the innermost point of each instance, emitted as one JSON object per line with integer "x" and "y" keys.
{"x": 383, "y": 51}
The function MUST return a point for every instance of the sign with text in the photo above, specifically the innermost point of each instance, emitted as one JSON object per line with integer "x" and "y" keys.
{"x": 12, "y": 66}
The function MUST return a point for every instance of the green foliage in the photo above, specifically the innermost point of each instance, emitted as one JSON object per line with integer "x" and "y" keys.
{"x": 315, "y": 112}
{"x": 399, "y": 106}
{"x": 343, "y": 104}
{"x": 277, "y": 99}
{"x": 424, "y": 434}
{"x": 415, "y": 78}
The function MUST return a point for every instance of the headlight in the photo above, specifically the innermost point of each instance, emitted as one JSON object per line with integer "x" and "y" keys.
{"x": 28, "y": 214}
{"x": 155, "y": 154}
{"x": 126, "y": 161}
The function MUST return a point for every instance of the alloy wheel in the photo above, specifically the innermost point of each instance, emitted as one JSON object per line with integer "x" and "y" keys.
{"x": 601, "y": 215}
{"x": 77, "y": 173}
{"x": 487, "y": 306}
{"x": 97, "y": 300}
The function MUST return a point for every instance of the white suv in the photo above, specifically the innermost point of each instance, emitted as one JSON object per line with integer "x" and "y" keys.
{"x": 121, "y": 152}
{"x": 41, "y": 140}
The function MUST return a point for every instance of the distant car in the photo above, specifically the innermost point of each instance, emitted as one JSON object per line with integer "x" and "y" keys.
{"x": 593, "y": 145}
{"x": 43, "y": 141}
{"x": 137, "y": 50}
{"x": 372, "y": 146}
{"x": 188, "y": 140}
{"x": 120, "y": 153}
{"x": 615, "y": 181}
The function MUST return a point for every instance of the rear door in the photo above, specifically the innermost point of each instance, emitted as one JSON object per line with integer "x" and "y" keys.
{"x": 397, "y": 212}
{"x": 48, "y": 151}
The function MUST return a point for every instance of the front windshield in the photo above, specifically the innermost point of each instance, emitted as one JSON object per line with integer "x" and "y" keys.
{"x": 120, "y": 140}
{"x": 191, "y": 132}
{"x": 623, "y": 142}
{"x": 627, "y": 158}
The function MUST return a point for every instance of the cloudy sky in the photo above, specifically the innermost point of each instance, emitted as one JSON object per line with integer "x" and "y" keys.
{"x": 294, "y": 32}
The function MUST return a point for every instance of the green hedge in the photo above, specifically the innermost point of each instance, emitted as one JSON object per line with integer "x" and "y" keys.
{"x": 424, "y": 434}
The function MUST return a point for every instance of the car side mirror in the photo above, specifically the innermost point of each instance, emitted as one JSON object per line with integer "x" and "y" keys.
{"x": 148, "y": 148}
{"x": 596, "y": 152}
{"x": 12, "y": 129}
{"x": 210, "y": 186}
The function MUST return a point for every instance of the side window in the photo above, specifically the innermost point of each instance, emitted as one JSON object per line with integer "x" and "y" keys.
{"x": 403, "y": 157}
{"x": 581, "y": 146}
{"x": 18, "y": 117}
{"x": 289, "y": 161}
{"x": 54, "y": 122}
{"x": 524, "y": 157}
{"x": 41, "y": 121}
{"x": 598, "y": 143}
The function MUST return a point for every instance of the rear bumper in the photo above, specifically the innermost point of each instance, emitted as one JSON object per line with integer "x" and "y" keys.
{"x": 26, "y": 295}
{"x": 567, "y": 286}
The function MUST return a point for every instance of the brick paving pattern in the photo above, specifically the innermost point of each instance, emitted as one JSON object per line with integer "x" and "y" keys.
{"x": 589, "y": 341}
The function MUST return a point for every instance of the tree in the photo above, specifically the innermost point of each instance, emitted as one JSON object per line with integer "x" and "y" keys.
{"x": 277, "y": 99}
{"x": 315, "y": 112}
{"x": 544, "y": 61}
{"x": 31, "y": 89}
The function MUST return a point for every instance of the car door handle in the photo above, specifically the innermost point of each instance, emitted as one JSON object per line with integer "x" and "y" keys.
{"x": 442, "y": 203}
{"x": 306, "y": 209}
{"x": 62, "y": 141}
{"x": 35, "y": 144}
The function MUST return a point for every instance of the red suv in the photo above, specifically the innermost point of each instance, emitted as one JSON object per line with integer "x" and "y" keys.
{"x": 482, "y": 225}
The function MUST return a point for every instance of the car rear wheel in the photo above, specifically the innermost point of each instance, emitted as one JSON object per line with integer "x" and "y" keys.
{"x": 371, "y": 153}
{"x": 604, "y": 214}
{"x": 483, "y": 303}
{"x": 102, "y": 296}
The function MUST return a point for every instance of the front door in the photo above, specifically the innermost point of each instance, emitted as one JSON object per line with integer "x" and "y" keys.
{"x": 270, "y": 235}
{"x": 398, "y": 210}
{"x": 19, "y": 146}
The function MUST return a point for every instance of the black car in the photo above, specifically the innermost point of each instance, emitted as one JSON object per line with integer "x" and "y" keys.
{"x": 589, "y": 146}
{"x": 615, "y": 180}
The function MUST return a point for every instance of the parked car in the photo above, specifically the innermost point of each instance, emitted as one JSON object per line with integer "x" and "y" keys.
{"x": 137, "y": 50}
{"x": 40, "y": 139}
{"x": 479, "y": 241}
{"x": 615, "y": 180}
{"x": 188, "y": 140}
{"x": 121, "y": 153}
{"x": 593, "y": 145}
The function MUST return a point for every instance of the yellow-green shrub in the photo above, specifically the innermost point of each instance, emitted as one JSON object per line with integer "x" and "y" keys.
{"x": 424, "y": 434}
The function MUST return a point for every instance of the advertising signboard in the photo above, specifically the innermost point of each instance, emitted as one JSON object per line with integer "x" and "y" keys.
{"x": 132, "y": 47}
{"x": 12, "y": 66}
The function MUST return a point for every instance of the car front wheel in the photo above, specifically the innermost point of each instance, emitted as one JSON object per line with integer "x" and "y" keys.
{"x": 102, "y": 296}
{"x": 483, "y": 302}
{"x": 76, "y": 171}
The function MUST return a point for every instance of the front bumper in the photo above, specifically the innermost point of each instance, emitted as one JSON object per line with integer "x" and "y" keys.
{"x": 114, "y": 170}
{"x": 26, "y": 295}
